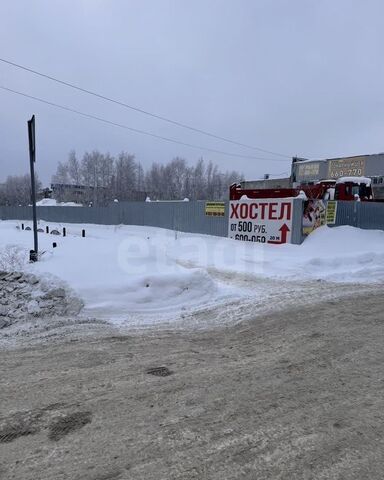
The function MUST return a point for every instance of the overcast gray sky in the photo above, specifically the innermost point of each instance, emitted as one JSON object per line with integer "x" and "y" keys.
{"x": 301, "y": 77}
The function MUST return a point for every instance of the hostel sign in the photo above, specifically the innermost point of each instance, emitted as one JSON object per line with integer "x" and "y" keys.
{"x": 267, "y": 220}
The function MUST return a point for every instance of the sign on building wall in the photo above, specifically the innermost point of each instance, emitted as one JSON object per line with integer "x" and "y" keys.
{"x": 346, "y": 167}
{"x": 307, "y": 171}
{"x": 215, "y": 209}
{"x": 262, "y": 221}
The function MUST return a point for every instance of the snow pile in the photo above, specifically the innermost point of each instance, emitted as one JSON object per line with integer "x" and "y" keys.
{"x": 343, "y": 254}
{"x": 302, "y": 195}
{"x": 12, "y": 258}
{"x": 358, "y": 180}
{"x": 51, "y": 202}
{"x": 23, "y": 295}
{"x": 339, "y": 254}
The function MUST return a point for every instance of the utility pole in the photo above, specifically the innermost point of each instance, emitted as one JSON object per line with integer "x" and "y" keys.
{"x": 33, "y": 254}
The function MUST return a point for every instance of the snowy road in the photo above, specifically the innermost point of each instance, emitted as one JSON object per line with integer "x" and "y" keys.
{"x": 291, "y": 395}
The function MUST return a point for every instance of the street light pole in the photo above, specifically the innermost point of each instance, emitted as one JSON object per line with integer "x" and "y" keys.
{"x": 33, "y": 254}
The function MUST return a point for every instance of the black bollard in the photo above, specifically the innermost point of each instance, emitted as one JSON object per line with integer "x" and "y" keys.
{"x": 83, "y": 233}
{"x": 64, "y": 231}
{"x": 22, "y": 226}
{"x": 54, "y": 244}
{"x": 47, "y": 229}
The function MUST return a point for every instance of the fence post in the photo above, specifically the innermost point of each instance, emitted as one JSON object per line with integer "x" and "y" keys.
{"x": 297, "y": 236}
{"x": 355, "y": 213}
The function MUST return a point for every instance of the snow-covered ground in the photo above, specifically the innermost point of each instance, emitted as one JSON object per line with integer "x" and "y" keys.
{"x": 143, "y": 275}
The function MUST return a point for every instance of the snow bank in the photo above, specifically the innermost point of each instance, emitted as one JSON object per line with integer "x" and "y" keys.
{"x": 339, "y": 254}
{"x": 51, "y": 202}
{"x": 24, "y": 295}
{"x": 358, "y": 180}
{"x": 118, "y": 272}
{"x": 144, "y": 274}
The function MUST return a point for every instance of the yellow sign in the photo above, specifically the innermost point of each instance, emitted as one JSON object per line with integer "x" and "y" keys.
{"x": 331, "y": 212}
{"x": 215, "y": 209}
{"x": 346, "y": 167}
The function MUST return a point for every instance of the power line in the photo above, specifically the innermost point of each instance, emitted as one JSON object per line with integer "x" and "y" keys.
{"x": 135, "y": 130}
{"x": 136, "y": 109}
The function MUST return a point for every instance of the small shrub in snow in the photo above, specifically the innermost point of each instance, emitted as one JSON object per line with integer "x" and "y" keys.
{"x": 12, "y": 257}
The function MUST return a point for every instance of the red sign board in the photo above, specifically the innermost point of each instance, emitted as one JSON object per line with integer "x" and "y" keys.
{"x": 261, "y": 220}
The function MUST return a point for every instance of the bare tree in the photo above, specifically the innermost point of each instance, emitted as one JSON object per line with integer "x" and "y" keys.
{"x": 153, "y": 181}
{"x": 125, "y": 176}
{"x": 103, "y": 178}
{"x": 228, "y": 178}
{"x": 174, "y": 177}
{"x": 140, "y": 178}
{"x": 198, "y": 181}
{"x": 17, "y": 189}
{"x": 97, "y": 173}
{"x": 61, "y": 175}
{"x": 73, "y": 167}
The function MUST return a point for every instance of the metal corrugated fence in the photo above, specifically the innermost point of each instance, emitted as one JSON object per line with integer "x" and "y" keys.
{"x": 181, "y": 216}
{"x": 365, "y": 215}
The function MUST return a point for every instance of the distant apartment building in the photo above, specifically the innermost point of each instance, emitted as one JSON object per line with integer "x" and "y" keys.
{"x": 305, "y": 171}
{"x": 311, "y": 171}
{"x": 66, "y": 192}
{"x": 371, "y": 166}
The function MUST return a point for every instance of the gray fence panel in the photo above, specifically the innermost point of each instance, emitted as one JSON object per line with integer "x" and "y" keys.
{"x": 98, "y": 215}
{"x": 159, "y": 214}
{"x": 347, "y": 213}
{"x": 130, "y": 213}
{"x": 16, "y": 213}
{"x": 190, "y": 217}
{"x": 365, "y": 215}
{"x": 371, "y": 215}
{"x": 181, "y": 216}
{"x": 297, "y": 236}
